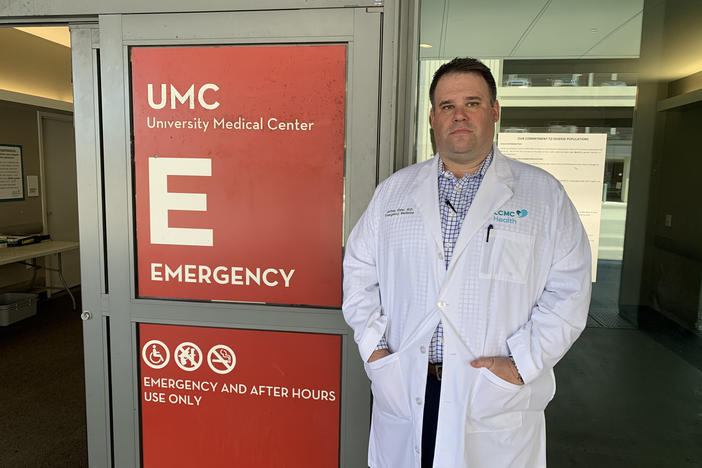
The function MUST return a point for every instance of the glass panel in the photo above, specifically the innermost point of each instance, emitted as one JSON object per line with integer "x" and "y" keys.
{"x": 629, "y": 71}
{"x": 554, "y": 95}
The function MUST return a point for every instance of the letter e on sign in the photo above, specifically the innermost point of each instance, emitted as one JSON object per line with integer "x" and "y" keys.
{"x": 161, "y": 201}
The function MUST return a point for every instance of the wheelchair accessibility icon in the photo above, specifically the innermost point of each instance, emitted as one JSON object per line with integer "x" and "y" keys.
{"x": 155, "y": 354}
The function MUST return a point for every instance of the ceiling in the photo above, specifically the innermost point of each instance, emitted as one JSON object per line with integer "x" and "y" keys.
{"x": 57, "y": 34}
{"x": 36, "y": 66}
{"x": 530, "y": 29}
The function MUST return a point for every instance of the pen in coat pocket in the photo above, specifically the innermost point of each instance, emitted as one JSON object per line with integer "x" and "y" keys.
{"x": 487, "y": 238}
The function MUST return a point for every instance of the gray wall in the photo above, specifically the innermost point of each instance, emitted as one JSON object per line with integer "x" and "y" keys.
{"x": 18, "y": 126}
{"x": 663, "y": 264}
{"x": 673, "y": 266}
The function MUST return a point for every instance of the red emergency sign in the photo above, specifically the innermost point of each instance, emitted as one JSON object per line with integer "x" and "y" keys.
{"x": 220, "y": 397}
{"x": 238, "y": 163}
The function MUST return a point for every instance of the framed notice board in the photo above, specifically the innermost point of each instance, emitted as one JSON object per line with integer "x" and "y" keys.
{"x": 11, "y": 173}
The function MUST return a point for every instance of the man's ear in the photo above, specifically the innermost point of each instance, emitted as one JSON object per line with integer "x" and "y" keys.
{"x": 496, "y": 111}
{"x": 431, "y": 117}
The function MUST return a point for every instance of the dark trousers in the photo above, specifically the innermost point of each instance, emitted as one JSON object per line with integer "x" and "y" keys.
{"x": 431, "y": 415}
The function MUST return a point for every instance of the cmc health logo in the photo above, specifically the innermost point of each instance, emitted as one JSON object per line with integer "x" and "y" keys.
{"x": 188, "y": 356}
{"x": 511, "y": 214}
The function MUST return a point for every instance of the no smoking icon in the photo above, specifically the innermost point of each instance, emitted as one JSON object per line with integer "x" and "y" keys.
{"x": 221, "y": 359}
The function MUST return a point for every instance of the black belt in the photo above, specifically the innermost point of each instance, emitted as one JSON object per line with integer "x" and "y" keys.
{"x": 436, "y": 370}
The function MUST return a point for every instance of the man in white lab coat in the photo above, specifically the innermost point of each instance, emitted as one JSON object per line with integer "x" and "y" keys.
{"x": 465, "y": 281}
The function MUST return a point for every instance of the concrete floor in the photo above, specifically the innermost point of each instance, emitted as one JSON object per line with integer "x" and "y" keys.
{"x": 629, "y": 394}
{"x": 42, "y": 391}
{"x": 625, "y": 398}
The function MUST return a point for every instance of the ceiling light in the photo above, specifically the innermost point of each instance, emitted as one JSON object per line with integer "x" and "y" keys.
{"x": 425, "y": 46}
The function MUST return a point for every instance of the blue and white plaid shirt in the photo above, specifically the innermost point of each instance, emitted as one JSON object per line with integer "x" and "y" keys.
{"x": 455, "y": 198}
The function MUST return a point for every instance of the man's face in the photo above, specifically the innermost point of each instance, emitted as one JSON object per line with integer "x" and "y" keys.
{"x": 463, "y": 119}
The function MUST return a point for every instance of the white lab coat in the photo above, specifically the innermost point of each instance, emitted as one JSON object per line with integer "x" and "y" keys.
{"x": 524, "y": 291}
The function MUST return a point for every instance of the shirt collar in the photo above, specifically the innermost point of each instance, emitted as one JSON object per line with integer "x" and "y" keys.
{"x": 480, "y": 172}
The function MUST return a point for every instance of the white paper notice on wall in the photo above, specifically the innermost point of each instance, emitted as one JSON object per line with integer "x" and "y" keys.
{"x": 11, "y": 187}
{"x": 32, "y": 186}
{"x": 577, "y": 160}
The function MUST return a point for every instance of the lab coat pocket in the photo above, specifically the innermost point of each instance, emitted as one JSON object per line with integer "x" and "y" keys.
{"x": 388, "y": 386}
{"x": 496, "y": 404}
{"x": 506, "y": 256}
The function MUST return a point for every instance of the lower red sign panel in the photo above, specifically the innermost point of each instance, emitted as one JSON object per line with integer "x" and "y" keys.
{"x": 221, "y": 397}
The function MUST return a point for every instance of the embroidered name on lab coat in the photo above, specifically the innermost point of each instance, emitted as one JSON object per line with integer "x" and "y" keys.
{"x": 399, "y": 212}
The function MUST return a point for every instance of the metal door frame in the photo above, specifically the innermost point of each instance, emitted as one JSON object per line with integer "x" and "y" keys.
{"x": 361, "y": 31}
{"x": 90, "y": 22}
{"x": 95, "y": 299}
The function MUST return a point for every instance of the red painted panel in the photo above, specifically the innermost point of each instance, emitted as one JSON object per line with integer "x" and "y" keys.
{"x": 220, "y": 397}
{"x": 238, "y": 160}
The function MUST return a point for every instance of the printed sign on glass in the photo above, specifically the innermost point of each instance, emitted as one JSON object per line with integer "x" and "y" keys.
{"x": 220, "y": 397}
{"x": 238, "y": 160}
